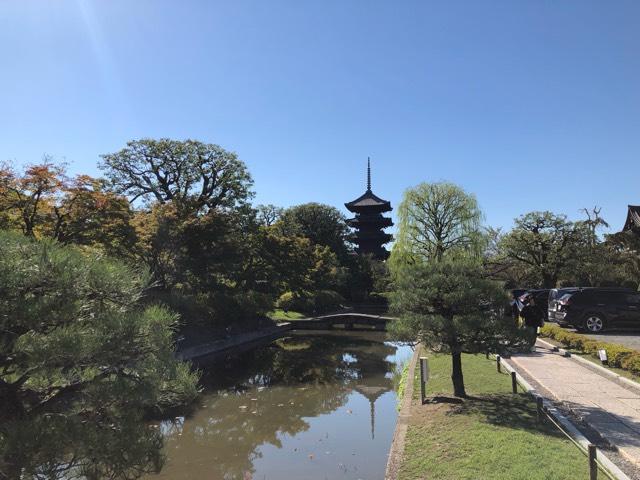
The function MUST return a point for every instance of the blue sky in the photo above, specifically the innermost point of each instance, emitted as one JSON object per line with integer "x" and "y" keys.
{"x": 530, "y": 105}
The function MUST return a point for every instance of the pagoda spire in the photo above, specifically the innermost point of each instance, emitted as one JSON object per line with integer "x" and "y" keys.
{"x": 368, "y": 174}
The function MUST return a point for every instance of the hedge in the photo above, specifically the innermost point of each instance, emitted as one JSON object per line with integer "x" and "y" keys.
{"x": 617, "y": 355}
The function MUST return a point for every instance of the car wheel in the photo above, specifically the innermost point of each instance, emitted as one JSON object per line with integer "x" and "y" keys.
{"x": 594, "y": 323}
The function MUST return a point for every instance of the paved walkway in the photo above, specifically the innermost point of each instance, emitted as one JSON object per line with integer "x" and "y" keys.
{"x": 611, "y": 410}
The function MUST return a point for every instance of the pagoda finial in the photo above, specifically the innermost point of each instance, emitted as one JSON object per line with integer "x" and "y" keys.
{"x": 368, "y": 174}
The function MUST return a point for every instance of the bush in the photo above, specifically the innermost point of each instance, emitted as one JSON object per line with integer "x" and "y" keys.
{"x": 327, "y": 300}
{"x": 632, "y": 363}
{"x": 321, "y": 301}
{"x": 295, "y": 302}
{"x": 617, "y": 355}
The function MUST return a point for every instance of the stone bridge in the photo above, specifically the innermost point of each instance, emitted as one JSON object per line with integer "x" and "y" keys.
{"x": 346, "y": 321}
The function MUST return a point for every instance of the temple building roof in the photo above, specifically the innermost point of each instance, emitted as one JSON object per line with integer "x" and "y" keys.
{"x": 633, "y": 218}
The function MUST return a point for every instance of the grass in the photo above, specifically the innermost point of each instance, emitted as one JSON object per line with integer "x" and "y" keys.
{"x": 494, "y": 435}
{"x": 400, "y": 378}
{"x": 281, "y": 315}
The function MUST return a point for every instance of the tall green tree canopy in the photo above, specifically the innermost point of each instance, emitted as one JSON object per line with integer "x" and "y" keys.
{"x": 322, "y": 224}
{"x": 196, "y": 176}
{"x": 545, "y": 243}
{"x": 441, "y": 293}
{"x": 434, "y": 219}
{"x": 80, "y": 362}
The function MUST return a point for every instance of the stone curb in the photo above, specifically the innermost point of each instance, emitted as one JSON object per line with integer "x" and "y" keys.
{"x": 397, "y": 445}
{"x": 571, "y": 429}
{"x": 619, "y": 379}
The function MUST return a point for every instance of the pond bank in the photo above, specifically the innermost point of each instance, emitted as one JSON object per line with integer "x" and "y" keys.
{"x": 234, "y": 344}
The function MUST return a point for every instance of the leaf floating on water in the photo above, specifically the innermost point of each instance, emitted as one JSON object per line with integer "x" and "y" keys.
{"x": 311, "y": 456}
{"x": 242, "y": 407}
{"x": 349, "y": 410}
{"x": 281, "y": 404}
{"x": 255, "y": 412}
{"x": 254, "y": 399}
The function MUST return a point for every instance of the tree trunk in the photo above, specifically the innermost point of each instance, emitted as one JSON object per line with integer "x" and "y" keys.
{"x": 456, "y": 375}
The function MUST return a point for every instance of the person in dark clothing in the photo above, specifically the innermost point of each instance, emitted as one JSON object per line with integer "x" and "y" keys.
{"x": 533, "y": 318}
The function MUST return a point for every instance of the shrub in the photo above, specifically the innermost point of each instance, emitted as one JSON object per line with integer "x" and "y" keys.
{"x": 327, "y": 300}
{"x": 297, "y": 302}
{"x": 321, "y": 301}
{"x": 617, "y": 355}
{"x": 632, "y": 363}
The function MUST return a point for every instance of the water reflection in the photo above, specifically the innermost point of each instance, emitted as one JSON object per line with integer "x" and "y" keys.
{"x": 304, "y": 406}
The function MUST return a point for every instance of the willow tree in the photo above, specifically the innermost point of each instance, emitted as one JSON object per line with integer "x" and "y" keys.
{"x": 441, "y": 294}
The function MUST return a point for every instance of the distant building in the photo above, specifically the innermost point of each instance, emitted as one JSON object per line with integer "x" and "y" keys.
{"x": 633, "y": 219}
{"x": 369, "y": 222}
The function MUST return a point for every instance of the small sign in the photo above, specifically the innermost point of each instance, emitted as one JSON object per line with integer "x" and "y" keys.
{"x": 603, "y": 356}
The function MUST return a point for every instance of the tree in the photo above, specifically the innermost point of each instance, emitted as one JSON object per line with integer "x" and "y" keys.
{"x": 322, "y": 224}
{"x": 88, "y": 214}
{"x": 195, "y": 176}
{"x": 269, "y": 214}
{"x": 441, "y": 293}
{"x": 437, "y": 218}
{"x": 545, "y": 242}
{"x": 80, "y": 363}
{"x": 27, "y": 198}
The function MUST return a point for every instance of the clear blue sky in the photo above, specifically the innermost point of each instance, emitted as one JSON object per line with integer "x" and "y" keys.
{"x": 530, "y": 105}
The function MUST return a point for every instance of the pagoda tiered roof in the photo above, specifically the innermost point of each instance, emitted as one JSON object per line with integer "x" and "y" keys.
{"x": 369, "y": 222}
{"x": 366, "y": 201}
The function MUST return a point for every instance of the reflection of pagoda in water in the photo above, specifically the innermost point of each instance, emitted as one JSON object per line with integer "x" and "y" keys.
{"x": 372, "y": 393}
{"x": 372, "y": 381}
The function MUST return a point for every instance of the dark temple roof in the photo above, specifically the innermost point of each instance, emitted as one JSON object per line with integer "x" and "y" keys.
{"x": 368, "y": 199}
{"x": 633, "y": 218}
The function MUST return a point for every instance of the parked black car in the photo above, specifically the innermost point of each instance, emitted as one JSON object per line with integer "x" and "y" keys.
{"x": 597, "y": 309}
{"x": 555, "y": 294}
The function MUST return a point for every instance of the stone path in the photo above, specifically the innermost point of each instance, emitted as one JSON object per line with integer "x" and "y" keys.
{"x": 610, "y": 409}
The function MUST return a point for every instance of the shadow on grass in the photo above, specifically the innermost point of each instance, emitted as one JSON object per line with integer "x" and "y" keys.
{"x": 443, "y": 399}
{"x": 505, "y": 410}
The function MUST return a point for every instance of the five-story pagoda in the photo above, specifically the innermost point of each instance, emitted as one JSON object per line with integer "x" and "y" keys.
{"x": 369, "y": 222}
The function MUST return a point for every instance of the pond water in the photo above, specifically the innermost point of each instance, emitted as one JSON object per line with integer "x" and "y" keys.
{"x": 307, "y": 406}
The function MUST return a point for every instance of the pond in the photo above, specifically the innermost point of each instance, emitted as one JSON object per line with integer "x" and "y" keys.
{"x": 307, "y": 406}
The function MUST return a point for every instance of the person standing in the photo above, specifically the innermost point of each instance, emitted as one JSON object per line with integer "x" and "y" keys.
{"x": 533, "y": 318}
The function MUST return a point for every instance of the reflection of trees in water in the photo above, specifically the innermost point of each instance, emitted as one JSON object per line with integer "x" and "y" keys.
{"x": 222, "y": 439}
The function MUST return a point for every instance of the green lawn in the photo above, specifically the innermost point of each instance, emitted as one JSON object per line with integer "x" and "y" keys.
{"x": 492, "y": 436}
{"x": 280, "y": 315}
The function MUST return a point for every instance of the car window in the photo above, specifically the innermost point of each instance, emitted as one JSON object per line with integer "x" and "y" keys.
{"x": 609, "y": 297}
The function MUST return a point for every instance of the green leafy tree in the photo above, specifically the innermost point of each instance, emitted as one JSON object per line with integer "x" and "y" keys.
{"x": 322, "y": 224}
{"x": 80, "y": 364}
{"x": 547, "y": 244}
{"x": 195, "y": 176}
{"x": 441, "y": 293}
